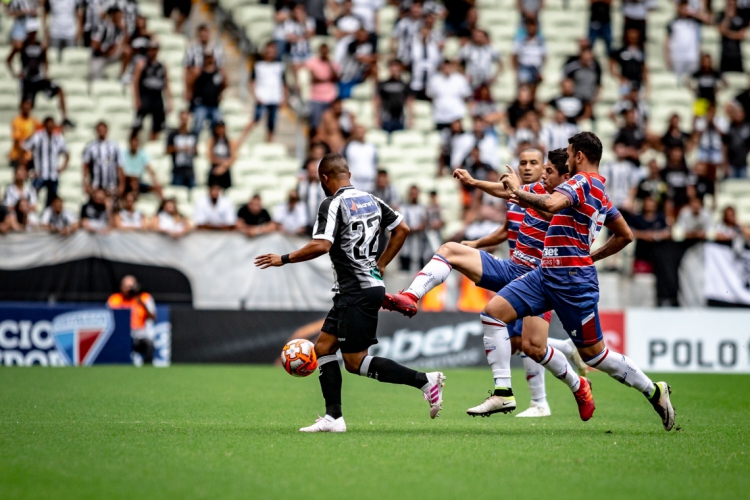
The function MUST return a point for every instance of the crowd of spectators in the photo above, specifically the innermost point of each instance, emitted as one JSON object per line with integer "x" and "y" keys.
{"x": 661, "y": 182}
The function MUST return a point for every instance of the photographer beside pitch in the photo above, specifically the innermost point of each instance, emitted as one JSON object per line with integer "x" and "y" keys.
{"x": 347, "y": 228}
{"x": 142, "y": 315}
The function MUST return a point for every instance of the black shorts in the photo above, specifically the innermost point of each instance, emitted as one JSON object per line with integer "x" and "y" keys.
{"x": 30, "y": 88}
{"x": 354, "y": 319}
{"x": 224, "y": 180}
{"x": 158, "y": 116}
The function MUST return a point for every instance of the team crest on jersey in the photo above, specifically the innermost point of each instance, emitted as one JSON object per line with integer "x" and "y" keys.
{"x": 361, "y": 205}
{"x": 79, "y": 336}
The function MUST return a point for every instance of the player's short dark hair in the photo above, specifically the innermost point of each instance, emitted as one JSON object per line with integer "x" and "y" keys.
{"x": 333, "y": 164}
{"x": 559, "y": 158}
{"x": 382, "y": 171}
{"x": 588, "y": 144}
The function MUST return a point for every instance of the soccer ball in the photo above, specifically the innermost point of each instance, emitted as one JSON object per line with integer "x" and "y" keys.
{"x": 298, "y": 357}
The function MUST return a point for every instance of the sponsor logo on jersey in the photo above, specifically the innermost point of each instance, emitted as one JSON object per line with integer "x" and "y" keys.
{"x": 79, "y": 336}
{"x": 362, "y": 205}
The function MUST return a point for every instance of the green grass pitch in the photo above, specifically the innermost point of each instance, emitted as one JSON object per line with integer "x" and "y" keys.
{"x": 231, "y": 432}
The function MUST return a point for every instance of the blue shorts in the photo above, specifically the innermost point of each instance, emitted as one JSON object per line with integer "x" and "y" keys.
{"x": 575, "y": 304}
{"x": 496, "y": 275}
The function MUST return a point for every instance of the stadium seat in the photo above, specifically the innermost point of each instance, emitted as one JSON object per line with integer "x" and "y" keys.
{"x": 269, "y": 151}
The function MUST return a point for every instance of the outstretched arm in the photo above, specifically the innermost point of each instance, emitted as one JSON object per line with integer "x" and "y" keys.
{"x": 311, "y": 251}
{"x": 398, "y": 237}
{"x": 496, "y": 189}
{"x": 621, "y": 237}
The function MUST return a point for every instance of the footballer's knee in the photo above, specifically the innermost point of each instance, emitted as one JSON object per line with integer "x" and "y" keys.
{"x": 326, "y": 344}
{"x": 353, "y": 361}
{"x": 534, "y": 350}
{"x": 449, "y": 250}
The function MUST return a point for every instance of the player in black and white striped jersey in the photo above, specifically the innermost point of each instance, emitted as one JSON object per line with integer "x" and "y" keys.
{"x": 102, "y": 164}
{"x": 46, "y": 147}
{"x": 346, "y": 228}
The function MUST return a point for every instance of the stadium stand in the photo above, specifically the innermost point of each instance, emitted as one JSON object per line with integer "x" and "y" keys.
{"x": 418, "y": 154}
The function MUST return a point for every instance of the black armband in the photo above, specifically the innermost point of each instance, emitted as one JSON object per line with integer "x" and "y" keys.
{"x": 285, "y": 259}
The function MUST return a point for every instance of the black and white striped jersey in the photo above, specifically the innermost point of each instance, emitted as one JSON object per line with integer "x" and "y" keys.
{"x": 46, "y": 150}
{"x": 479, "y": 61}
{"x": 351, "y": 220}
{"x": 103, "y": 158}
{"x": 195, "y": 52}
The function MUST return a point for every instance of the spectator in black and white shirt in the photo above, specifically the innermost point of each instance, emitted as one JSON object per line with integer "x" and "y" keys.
{"x": 425, "y": 59}
{"x": 46, "y": 146}
{"x": 269, "y": 88}
{"x": 390, "y": 100}
{"x": 482, "y": 62}
{"x": 254, "y": 220}
{"x": 61, "y": 19}
{"x": 357, "y": 63}
{"x": 96, "y": 213}
{"x": 92, "y": 16}
{"x": 406, "y": 30}
{"x": 193, "y": 61}
{"x": 205, "y": 94}
{"x": 102, "y": 164}
{"x": 182, "y": 144}
{"x": 20, "y": 189}
{"x": 622, "y": 178}
{"x": 299, "y": 28}
{"x": 151, "y": 93}
{"x": 107, "y": 43}
{"x": 56, "y": 220}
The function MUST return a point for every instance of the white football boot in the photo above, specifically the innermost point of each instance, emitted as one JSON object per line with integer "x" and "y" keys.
{"x": 663, "y": 405}
{"x": 493, "y": 404}
{"x": 326, "y": 424}
{"x": 433, "y": 392}
{"x": 536, "y": 410}
{"x": 576, "y": 360}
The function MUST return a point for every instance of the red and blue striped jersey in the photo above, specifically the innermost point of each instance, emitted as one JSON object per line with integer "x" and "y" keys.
{"x": 515, "y": 216}
{"x": 530, "y": 242}
{"x": 572, "y": 231}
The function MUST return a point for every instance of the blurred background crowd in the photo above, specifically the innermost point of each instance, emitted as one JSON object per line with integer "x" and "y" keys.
{"x": 177, "y": 116}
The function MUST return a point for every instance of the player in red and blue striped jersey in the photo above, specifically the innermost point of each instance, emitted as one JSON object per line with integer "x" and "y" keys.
{"x": 567, "y": 281}
{"x": 492, "y": 273}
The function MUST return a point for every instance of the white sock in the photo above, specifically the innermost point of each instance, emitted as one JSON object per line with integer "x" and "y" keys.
{"x": 431, "y": 275}
{"x": 565, "y": 347}
{"x": 497, "y": 348}
{"x": 558, "y": 365}
{"x": 535, "y": 379}
{"x": 621, "y": 368}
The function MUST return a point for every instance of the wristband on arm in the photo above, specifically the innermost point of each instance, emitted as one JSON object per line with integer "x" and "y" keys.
{"x": 285, "y": 259}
